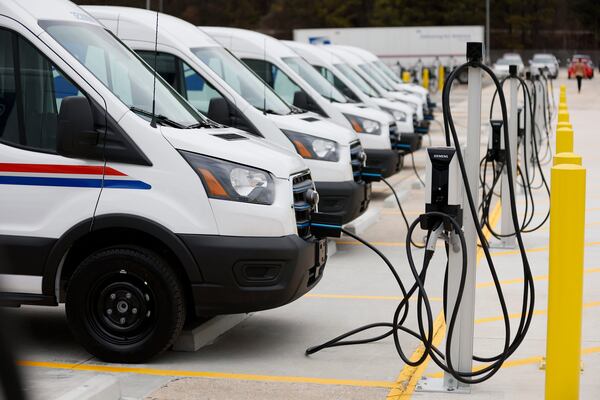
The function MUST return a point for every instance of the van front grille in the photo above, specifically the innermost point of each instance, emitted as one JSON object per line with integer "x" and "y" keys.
{"x": 394, "y": 136}
{"x": 356, "y": 159}
{"x": 301, "y": 183}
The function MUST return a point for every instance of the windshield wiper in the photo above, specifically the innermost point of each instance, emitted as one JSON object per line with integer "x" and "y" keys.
{"x": 207, "y": 123}
{"x": 296, "y": 110}
{"x": 159, "y": 118}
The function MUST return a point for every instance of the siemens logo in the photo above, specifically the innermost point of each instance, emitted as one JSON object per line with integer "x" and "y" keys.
{"x": 440, "y": 156}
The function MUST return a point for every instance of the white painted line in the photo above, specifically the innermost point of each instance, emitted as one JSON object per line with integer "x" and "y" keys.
{"x": 100, "y": 387}
{"x": 364, "y": 222}
{"x": 207, "y": 332}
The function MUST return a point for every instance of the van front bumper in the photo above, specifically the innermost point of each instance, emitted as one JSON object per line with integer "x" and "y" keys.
{"x": 246, "y": 274}
{"x": 387, "y": 160}
{"x": 347, "y": 200}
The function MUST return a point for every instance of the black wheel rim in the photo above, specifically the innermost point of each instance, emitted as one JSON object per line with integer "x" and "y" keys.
{"x": 121, "y": 308}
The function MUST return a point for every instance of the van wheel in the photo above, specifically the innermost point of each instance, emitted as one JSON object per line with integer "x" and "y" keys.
{"x": 124, "y": 304}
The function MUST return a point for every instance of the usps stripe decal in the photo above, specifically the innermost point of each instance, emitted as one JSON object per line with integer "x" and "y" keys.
{"x": 67, "y": 176}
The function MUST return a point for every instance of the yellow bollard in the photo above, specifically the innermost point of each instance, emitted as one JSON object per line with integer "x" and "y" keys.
{"x": 563, "y": 88}
{"x": 565, "y": 283}
{"x": 562, "y": 106}
{"x": 562, "y": 98}
{"x": 564, "y": 125}
{"x": 563, "y": 116}
{"x": 441, "y": 78}
{"x": 406, "y": 76}
{"x": 564, "y": 140}
{"x": 566, "y": 158}
{"x": 426, "y": 78}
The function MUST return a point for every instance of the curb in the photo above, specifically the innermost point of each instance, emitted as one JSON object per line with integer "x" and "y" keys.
{"x": 207, "y": 332}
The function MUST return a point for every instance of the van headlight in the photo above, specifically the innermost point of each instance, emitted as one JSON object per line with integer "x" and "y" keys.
{"x": 363, "y": 125}
{"x": 397, "y": 114}
{"x": 225, "y": 180}
{"x": 313, "y": 147}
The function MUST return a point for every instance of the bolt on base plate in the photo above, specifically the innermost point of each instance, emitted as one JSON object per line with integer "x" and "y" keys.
{"x": 426, "y": 384}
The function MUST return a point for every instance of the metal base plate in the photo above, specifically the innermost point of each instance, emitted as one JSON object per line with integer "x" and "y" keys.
{"x": 501, "y": 244}
{"x": 437, "y": 385}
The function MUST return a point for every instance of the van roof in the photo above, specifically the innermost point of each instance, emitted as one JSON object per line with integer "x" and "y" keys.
{"x": 249, "y": 41}
{"x": 314, "y": 54}
{"x": 31, "y": 12}
{"x": 140, "y": 24}
{"x": 365, "y": 54}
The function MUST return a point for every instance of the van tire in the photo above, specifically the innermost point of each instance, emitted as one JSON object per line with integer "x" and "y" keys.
{"x": 125, "y": 304}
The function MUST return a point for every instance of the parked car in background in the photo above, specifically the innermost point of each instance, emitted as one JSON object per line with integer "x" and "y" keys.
{"x": 589, "y": 66}
{"x": 501, "y": 66}
{"x": 544, "y": 60}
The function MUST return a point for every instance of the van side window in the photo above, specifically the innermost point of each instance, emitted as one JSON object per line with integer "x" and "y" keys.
{"x": 183, "y": 78}
{"x": 275, "y": 78}
{"x": 31, "y": 92}
{"x": 338, "y": 84}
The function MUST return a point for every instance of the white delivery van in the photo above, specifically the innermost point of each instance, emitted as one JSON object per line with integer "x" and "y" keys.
{"x": 329, "y": 65}
{"x": 225, "y": 90}
{"x": 135, "y": 222}
{"x": 393, "y": 79}
{"x": 367, "y": 72}
{"x": 300, "y": 84}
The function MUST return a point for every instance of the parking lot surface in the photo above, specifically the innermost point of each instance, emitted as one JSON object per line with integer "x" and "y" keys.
{"x": 263, "y": 357}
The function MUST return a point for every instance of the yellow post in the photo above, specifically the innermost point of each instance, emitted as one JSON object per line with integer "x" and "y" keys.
{"x": 406, "y": 76}
{"x": 441, "y": 78}
{"x": 562, "y": 106}
{"x": 562, "y": 98}
{"x": 564, "y": 125}
{"x": 426, "y": 78}
{"x": 563, "y": 116}
{"x": 565, "y": 284}
{"x": 564, "y": 140}
{"x": 563, "y": 88}
{"x": 566, "y": 158}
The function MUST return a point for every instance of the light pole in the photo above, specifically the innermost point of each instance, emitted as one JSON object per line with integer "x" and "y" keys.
{"x": 487, "y": 31}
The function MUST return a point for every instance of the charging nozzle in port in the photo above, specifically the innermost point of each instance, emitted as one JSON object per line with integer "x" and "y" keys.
{"x": 325, "y": 225}
{"x": 371, "y": 174}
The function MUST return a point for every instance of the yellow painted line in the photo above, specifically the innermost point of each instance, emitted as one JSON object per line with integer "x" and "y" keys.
{"x": 360, "y": 297}
{"x": 409, "y": 376}
{"x": 203, "y": 374}
{"x": 535, "y": 312}
{"x": 523, "y": 361}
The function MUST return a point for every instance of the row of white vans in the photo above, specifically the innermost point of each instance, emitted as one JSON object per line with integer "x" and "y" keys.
{"x": 141, "y": 201}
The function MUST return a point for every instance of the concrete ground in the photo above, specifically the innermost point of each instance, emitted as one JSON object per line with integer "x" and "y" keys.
{"x": 263, "y": 357}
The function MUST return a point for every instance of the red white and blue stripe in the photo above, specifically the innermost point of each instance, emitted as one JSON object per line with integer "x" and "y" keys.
{"x": 81, "y": 176}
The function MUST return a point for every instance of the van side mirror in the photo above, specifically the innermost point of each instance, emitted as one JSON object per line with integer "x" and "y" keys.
{"x": 301, "y": 100}
{"x": 75, "y": 134}
{"x": 218, "y": 111}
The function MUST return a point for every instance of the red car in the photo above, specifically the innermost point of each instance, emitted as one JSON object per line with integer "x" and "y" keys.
{"x": 589, "y": 66}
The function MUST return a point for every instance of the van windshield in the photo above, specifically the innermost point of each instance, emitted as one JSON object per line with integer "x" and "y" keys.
{"x": 122, "y": 72}
{"x": 387, "y": 71}
{"x": 374, "y": 74}
{"x": 357, "y": 80}
{"x": 314, "y": 79}
{"x": 242, "y": 79}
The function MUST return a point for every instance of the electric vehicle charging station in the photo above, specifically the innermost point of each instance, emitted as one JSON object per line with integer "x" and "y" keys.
{"x": 507, "y": 230}
{"x": 203, "y": 72}
{"x": 300, "y": 84}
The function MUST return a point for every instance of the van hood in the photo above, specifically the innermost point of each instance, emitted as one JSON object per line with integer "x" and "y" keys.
{"x": 365, "y": 112}
{"x": 236, "y": 146}
{"x": 313, "y": 124}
